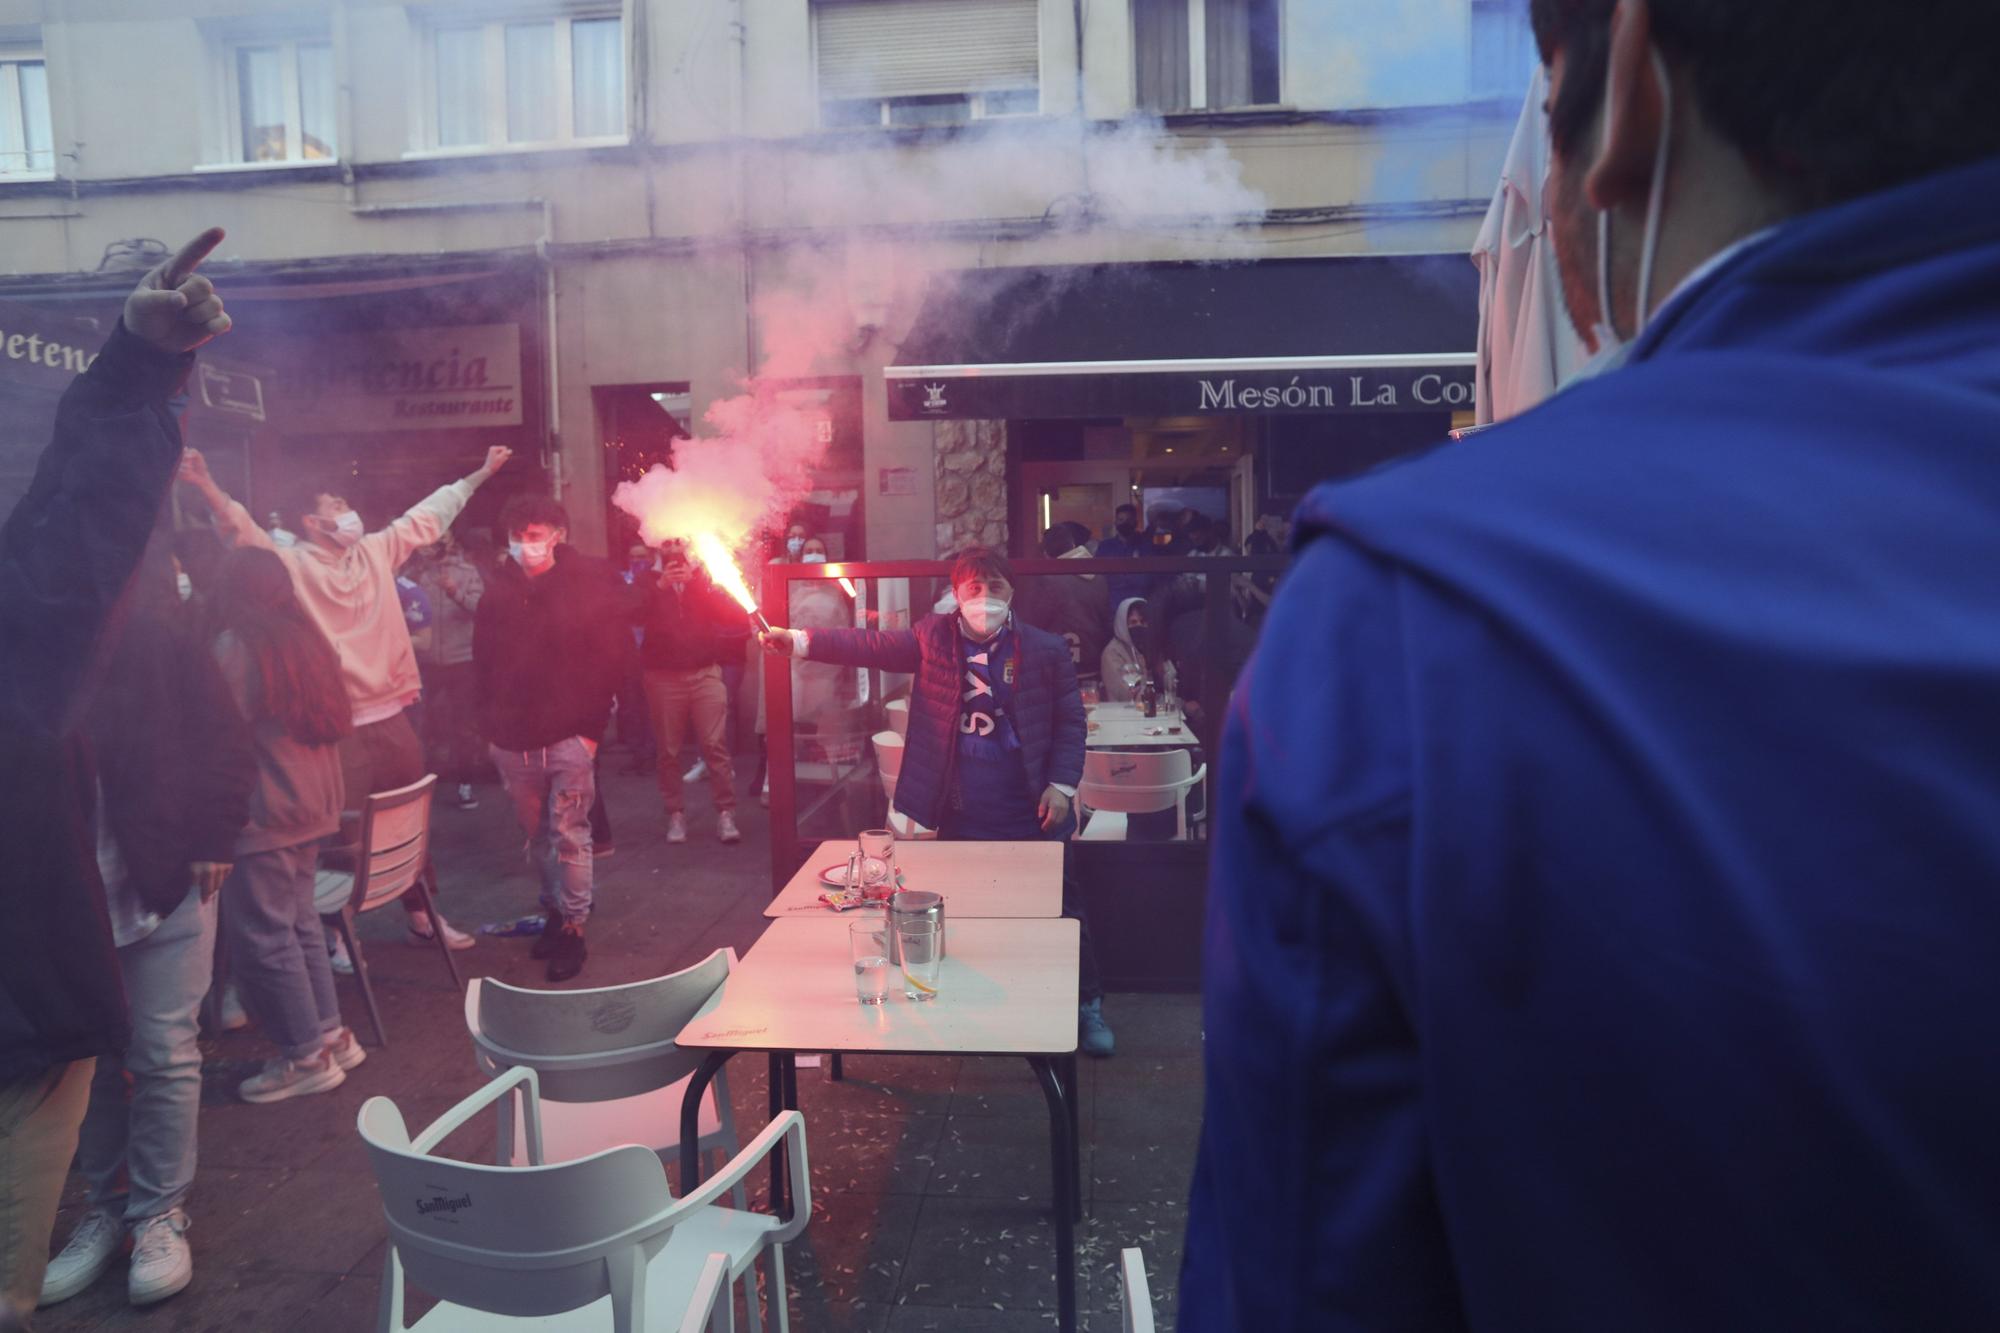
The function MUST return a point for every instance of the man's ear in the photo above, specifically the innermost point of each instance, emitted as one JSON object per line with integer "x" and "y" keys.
{"x": 1621, "y": 170}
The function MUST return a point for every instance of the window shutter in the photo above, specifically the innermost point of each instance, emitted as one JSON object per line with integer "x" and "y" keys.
{"x": 915, "y": 48}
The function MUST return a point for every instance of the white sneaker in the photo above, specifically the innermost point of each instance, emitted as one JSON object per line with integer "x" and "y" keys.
{"x": 337, "y": 957}
{"x": 466, "y": 800}
{"x": 284, "y": 1079}
{"x": 677, "y": 827}
{"x": 91, "y": 1248}
{"x": 345, "y": 1048}
{"x": 420, "y": 932}
{"x": 161, "y": 1262}
{"x": 233, "y": 1017}
{"x": 725, "y": 827}
{"x": 698, "y": 772}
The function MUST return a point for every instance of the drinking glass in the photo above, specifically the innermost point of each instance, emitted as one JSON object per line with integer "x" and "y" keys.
{"x": 1089, "y": 692}
{"x": 919, "y": 940}
{"x": 868, "y": 943}
{"x": 878, "y": 862}
{"x": 1131, "y": 675}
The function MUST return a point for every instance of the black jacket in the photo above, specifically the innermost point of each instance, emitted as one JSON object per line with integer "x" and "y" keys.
{"x": 698, "y": 626}
{"x": 66, "y": 554}
{"x": 174, "y": 756}
{"x": 548, "y": 653}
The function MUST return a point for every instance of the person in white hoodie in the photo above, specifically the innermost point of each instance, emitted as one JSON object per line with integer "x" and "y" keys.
{"x": 1126, "y": 650}
{"x": 346, "y": 578}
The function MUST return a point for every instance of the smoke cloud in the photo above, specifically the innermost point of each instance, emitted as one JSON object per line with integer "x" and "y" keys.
{"x": 1134, "y": 189}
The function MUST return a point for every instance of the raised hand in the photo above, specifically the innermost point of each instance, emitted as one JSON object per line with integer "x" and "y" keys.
{"x": 194, "y": 468}
{"x": 174, "y": 308}
{"x": 496, "y": 458}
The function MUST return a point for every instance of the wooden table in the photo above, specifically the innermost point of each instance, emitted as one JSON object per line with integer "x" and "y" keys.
{"x": 1006, "y": 987}
{"x": 977, "y": 879}
{"x": 1126, "y": 727}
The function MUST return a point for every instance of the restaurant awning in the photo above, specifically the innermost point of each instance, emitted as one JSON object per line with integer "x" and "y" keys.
{"x": 1368, "y": 333}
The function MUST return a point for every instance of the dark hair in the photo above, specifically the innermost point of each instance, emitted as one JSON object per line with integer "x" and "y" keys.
{"x": 1830, "y": 99}
{"x": 526, "y": 508}
{"x": 294, "y": 672}
{"x": 979, "y": 562}
{"x": 1058, "y": 540}
{"x": 301, "y": 497}
{"x": 1131, "y": 509}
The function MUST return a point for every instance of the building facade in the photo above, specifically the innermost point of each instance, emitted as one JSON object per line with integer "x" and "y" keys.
{"x": 575, "y": 227}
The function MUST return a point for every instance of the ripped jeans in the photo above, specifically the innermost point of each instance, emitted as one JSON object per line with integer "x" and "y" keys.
{"x": 552, "y": 790}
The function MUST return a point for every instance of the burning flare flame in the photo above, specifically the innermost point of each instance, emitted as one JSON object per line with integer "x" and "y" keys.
{"x": 715, "y": 558}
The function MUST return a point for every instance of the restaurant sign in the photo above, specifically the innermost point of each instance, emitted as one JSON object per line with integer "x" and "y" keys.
{"x": 961, "y": 396}
{"x": 409, "y": 379}
{"x": 43, "y": 349}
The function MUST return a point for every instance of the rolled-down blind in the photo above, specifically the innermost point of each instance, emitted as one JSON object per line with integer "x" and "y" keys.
{"x": 913, "y": 48}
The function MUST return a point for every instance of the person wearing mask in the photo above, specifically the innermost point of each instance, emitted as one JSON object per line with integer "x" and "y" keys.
{"x": 1270, "y": 537}
{"x": 453, "y": 586}
{"x": 692, "y": 628}
{"x": 275, "y": 529}
{"x": 1601, "y": 923}
{"x": 1126, "y": 656}
{"x": 1076, "y": 608}
{"x": 796, "y": 536}
{"x": 175, "y": 767}
{"x": 996, "y": 734}
{"x": 67, "y": 552}
{"x": 1126, "y": 542}
{"x": 346, "y": 579}
{"x": 286, "y": 681}
{"x": 547, "y": 645}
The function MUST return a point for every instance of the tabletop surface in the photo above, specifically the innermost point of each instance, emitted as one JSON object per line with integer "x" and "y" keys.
{"x": 977, "y": 879}
{"x": 1006, "y": 987}
{"x": 1127, "y": 726}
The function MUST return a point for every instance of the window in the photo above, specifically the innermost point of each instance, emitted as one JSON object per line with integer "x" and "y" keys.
{"x": 926, "y": 62}
{"x": 1503, "y": 49}
{"x": 27, "y": 144}
{"x": 283, "y": 99}
{"x": 539, "y": 81}
{"x": 1212, "y": 55}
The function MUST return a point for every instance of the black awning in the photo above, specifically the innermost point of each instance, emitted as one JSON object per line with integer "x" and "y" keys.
{"x": 1367, "y": 333}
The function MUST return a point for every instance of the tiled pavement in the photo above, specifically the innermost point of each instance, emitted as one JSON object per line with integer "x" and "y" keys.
{"x": 930, "y": 1179}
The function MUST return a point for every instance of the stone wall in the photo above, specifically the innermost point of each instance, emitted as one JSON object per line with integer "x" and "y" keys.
{"x": 971, "y": 484}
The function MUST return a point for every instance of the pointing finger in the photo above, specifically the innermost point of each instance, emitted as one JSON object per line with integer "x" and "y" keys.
{"x": 190, "y": 257}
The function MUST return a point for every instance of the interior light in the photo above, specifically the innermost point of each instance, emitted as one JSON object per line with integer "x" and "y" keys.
{"x": 1045, "y": 511}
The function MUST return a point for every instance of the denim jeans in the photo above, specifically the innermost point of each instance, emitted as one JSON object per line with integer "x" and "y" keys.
{"x": 552, "y": 790}
{"x": 138, "y": 1152}
{"x": 277, "y": 948}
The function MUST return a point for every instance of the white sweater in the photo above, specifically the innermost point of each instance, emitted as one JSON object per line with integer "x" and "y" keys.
{"x": 351, "y": 596}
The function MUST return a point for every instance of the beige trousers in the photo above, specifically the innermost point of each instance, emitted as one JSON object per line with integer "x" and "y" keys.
{"x": 39, "y": 1119}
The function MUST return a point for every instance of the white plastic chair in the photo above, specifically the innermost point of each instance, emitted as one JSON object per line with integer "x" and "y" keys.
{"x": 1138, "y": 782}
{"x": 1135, "y": 1292}
{"x": 601, "y": 1241}
{"x": 889, "y": 764}
{"x": 393, "y": 857}
{"x": 610, "y": 1071}
{"x": 704, "y": 1312}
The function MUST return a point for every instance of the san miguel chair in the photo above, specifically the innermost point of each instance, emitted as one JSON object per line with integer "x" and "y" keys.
{"x": 597, "y": 1245}
{"x": 1138, "y": 782}
{"x": 394, "y": 856}
{"x": 609, "y": 1069}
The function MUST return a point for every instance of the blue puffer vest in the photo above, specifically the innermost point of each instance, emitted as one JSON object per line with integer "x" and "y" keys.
{"x": 1047, "y": 710}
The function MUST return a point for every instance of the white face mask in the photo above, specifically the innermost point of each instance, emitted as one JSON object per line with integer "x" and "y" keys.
{"x": 347, "y": 529}
{"x": 813, "y": 558}
{"x": 983, "y": 616}
{"x": 793, "y": 545}
{"x": 1612, "y": 349}
{"x": 185, "y": 584}
{"x": 531, "y": 555}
